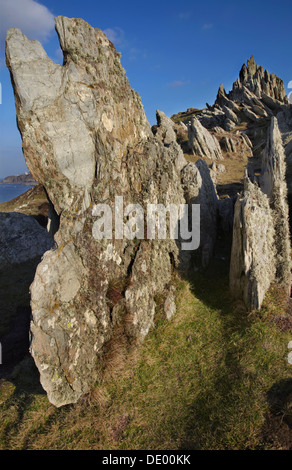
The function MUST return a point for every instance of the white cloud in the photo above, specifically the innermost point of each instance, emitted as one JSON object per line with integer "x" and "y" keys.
{"x": 34, "y": 19}
{"x": 116, "y": 36}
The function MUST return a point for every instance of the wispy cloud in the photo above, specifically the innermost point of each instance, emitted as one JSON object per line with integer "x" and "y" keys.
{"x": 179, "y": 83}
{"x": 116, "y": 35}
{"x": 34, "y": 19}
{"x": 207, "y": 26}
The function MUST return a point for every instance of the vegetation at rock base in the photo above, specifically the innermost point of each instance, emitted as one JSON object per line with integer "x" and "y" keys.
{"x": 214, "y": 377}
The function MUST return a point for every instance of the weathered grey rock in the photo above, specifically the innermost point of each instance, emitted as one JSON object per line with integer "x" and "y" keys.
{"x": 221, "y": 168}
{"x": 87, "y": 140}
{"x": 199, "y": 189}
{"x": 202, "y": 143}
{"x": 223, "y": 101}
{"x": 252, "y": 267}
{"x": 169, "y": 304}
{"x": 212, "y": 118}
{"x": 21, "y": 239}
{"x": 262, "y": 92}
{"x": 250, "y": 114}
{"x": 218, "y": 130}
{"x": 227, "y": 145}
{"x": 247, "y": 140}
{"x": 259, "y": 110}
{"x": 229, "y": 125}
{"x": 272, "y": 103}
{"x": 230, "y": 115}
{"x": 261, "y": 238}
{"x": 261, "y": 82}
{"x": 273, "y": 184}
{"x": 165, "y": 128}
{"x": 93, "y": 92}
{"x": 167, "y": 135}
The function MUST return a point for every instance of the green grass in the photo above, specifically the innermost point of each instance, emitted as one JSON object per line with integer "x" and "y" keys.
{"x": 199, "y": 381}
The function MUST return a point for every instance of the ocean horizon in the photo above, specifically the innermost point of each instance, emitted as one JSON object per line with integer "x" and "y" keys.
{"x": 10, "y": 191}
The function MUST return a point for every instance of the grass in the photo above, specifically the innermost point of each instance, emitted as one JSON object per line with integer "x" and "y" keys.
{"x": 214, "y": 377}
{"x": 32, "y": 202}
{"x": 199, "y": 381}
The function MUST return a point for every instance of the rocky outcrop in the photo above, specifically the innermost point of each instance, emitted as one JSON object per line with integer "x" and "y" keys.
{"x": 19, "y": 179}
{"x": 202, "y": 143}
{"x": 22, "y": 243}
{"x": 165, "y": 128}
{"x": 21, "y": 239}
{"x": 261, "y": 238}
{"x": 199, "y": 189}
{"x": 252, "y": 267}
{"x": 167, "y": 133}
{"x": 273, "y": 184}
{"x": 260, "y": 82}
{"x": 87, "y": 140}
{"x": 92, "y": 91}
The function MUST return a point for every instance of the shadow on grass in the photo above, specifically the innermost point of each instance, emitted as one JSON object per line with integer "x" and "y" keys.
{"x": 233, "y": 404}
{"x": 280, "y": 401}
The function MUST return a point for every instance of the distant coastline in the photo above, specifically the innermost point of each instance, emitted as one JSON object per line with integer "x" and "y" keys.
{"x": 25, "y": 179}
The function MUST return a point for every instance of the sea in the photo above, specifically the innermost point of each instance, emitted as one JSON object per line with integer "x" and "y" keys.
{"x": 10, "y": 191}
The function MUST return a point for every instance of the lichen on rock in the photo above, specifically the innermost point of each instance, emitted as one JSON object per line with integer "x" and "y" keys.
{"x": 261, "y": 236}
{"x": 86, "y": 139}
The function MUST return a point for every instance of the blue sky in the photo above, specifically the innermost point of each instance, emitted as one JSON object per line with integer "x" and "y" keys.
{"x": 175, "y": 54}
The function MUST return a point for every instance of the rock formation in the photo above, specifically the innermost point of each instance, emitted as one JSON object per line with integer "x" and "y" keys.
{"x": 25, "y": 179}
{"x": 202, "y": 143}
{"x": 261, "y": 239}
{"x": 22, "y": 244}
{"x": 199, "y": 189}
{"x": 21, "y": 239}
{"x": 261, "y": 83}
{"x": 87, "y": 140}
{"x": 273, "y": 184}
{"x": 252, "y": 267}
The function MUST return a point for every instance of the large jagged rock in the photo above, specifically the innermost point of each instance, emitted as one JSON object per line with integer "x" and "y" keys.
{"x": 202, "y": 143}
{"x": 82, "y": 108}
{"x": 261, "y": 237}
{"x": 199, "y": 189}
{"x": 260, "y": 82}
{"x": 87, "y": 140}
{"x": 165, "y": 128}
{"x": 252, "y": 267}
{"x": 273, "y": 184}
{"x": 259, "y": 93}
{"x": 165, "y": 132}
